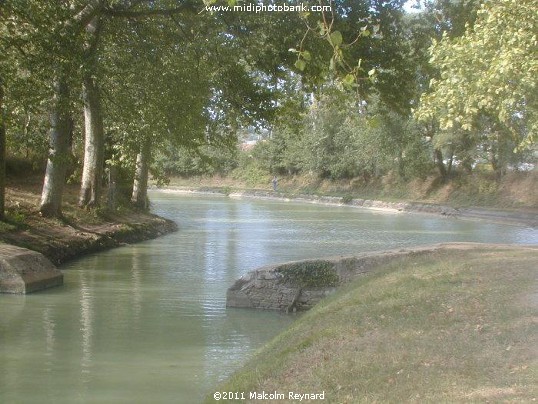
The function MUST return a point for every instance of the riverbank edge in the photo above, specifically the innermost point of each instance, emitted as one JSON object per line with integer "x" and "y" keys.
{"x": 300, "y": 285}
{"x": 85, "y": 241}
{"x": 250, "y": 376}
{"x": 527, "y": 218}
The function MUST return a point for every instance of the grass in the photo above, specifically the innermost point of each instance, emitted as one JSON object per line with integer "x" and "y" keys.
{"x": 442, "y": 328}
{"x": 514, "y": 191}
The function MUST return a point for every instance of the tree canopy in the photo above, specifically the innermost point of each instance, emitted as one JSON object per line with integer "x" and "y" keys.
{"x": 96, "y": 86}
{"x": 491, "y": 71}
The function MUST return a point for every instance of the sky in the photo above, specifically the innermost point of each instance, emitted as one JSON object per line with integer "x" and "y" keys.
{"x": 408, "y": 6}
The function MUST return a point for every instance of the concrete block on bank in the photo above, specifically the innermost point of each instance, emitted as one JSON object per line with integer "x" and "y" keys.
{"x": 267, "y": 287}
{"x": 25, "y": 271}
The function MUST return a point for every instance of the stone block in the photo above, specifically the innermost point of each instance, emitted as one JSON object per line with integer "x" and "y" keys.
{"x": 25, "y": 271}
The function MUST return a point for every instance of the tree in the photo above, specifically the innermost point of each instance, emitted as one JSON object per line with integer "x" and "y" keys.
{"x": 105, "y": 13}
{"x": 2, "y": 152}
{"x": 437, "y": 18}
{"x": 13, "y": 39}
{"x": 491, "y": 72}
{"x": 361, "y": 46}
{"x": 61, "y": 132}
{"x": 208, "y": 66}
{"x": 92, "y": 171}
{"x": 157, "y": 93}
{"x": 39, "y": 48}
{"x": 64, "y": 45}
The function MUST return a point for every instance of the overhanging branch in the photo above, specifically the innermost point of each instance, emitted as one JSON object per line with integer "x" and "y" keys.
{"x": 84, "y": 16}
{"x": 110, "y": 12}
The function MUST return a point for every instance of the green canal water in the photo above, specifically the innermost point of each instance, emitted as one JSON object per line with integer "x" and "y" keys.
{"x": 147, "y": 322}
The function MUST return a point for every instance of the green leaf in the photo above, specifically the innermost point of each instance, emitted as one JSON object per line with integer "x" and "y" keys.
{"x": 322, "y": 28}
{"x": 336, "y": 38}
{"x": 374, "y": 122}
{"x": 348, "y": 80}
{"x": 300, "y": 64}
{"x": 306, "y": 56}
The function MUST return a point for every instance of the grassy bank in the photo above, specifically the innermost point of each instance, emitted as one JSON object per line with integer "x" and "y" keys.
{"x": 513, "y": 191}
{"x": 446, "y": 327}
{"x": 79, "y": 232}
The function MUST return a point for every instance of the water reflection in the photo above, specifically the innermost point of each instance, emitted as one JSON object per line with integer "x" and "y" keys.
{"x": 136, "y": 290}
{"x": 86, "y": 314}
{"x": 148, "y": 323}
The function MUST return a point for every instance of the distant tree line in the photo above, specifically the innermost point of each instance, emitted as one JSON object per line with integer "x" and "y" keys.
{"x": 452, "y": 86}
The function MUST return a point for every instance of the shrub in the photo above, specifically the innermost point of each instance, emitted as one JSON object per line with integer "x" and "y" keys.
{"x": 309, "y": 274}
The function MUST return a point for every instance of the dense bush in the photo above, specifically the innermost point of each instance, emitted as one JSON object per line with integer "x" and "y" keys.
{"x": 339, "y": 139}
{"x": 206, "y": 160}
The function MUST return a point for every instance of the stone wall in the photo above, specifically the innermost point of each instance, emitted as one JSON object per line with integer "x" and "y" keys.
{"x": 25, "y": 271}
{"x": 264, "y": 288}
{"x": 357, "y": 202}
{"x": 520, "y": 217}
{"x": 269, "y": 287}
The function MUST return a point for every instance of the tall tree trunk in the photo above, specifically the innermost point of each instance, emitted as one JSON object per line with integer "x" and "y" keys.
{"x": 431, "y": 131}
{"x": 140, "y": 186}
{"x": 111, "y": 194}
{"x": 440, "y": 164}
{"x": 2, "y": 153}
{"x": 401, "y": 165}
{"x": 92, "y": 171}
{"x": 94, "y": 144}
{"x": 450, "y": 163}
{"x": 26, "y": 133}
{"x": 59, "y": 156}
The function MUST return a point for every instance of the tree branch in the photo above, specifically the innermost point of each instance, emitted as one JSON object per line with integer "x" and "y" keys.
{"x": 84, "y": 16}
{"x": 111, "y": 12}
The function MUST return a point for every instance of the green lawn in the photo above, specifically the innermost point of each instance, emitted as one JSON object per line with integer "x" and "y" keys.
{"x": 447, "y": 327}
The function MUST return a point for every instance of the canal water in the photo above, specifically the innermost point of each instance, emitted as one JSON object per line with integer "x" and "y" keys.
{"x": 148, "y": 323}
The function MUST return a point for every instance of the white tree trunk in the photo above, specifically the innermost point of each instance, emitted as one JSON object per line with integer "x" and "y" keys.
{"x": 2, "y": 152}
{"x": 92, "y": 172}
{"x": 60, "y": 138}
{"x": 140, "y": 186}
{"x": 94, "y": 144}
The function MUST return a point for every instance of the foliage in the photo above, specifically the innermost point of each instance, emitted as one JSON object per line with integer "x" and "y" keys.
{"x": 501, "y": 85}
{"x": 400, "y": 144}
{"x": 338, "y": 137}
{"x": 185, "y": 162}
{"x": 250, "y": 171}
{"x": 34, "y": 44}
{"x": 313, "y": 274}
{"x": 187, "y": 82}
{"x": 357, "y": 45}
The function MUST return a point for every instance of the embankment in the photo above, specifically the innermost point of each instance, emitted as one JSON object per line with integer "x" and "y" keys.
{"x": 527, "y": 217}
{"x": 457, "y": 324}
{"x": 299, "y": 285}
{"x": 63, "y": 241}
